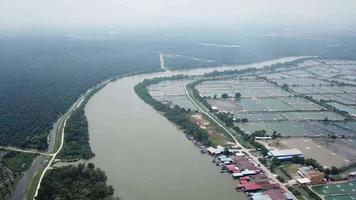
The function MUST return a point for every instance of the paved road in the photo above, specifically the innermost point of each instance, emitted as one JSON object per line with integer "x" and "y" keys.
{"x": 255, "y": 159}
{"x": 53, "y": 155}
{"x": 21, "y": 185}
{"x": 161, "y": 60}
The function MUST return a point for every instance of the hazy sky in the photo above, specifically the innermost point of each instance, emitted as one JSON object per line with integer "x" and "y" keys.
{"x": 27, "y": 14}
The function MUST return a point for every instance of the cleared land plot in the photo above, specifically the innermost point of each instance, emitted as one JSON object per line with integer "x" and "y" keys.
{"x": 299, "y": 73}
{"x": 263, "y": 105}
{"x": 248, "y": 88}
{"x": 171, "y": 91}
{"x": 236, "y": 106}
{"x": 319, "y": 97}
{"x": 351, "y": 126}
{"x": 301, "y": 90}
{"x": 323, "y": 128}
{"x": 310, "y": 63}
{"x": 323, "y": 89}
{"x": 277, "y": 76}
{"x": 275, "y": 104}
{"x": 343, "y": 147}
{"x": 323, "y": 71}
{"x": 251, "y": 127}
{"x": 349, "y": 109}
{"x": 347, "y": 129}
{"x": 342, "y": 98}
{"x": 342, "y": 80}
{"x": 301, "y": 104}
{"x": 182, "y": 101}
{"x": 300, "y": 81}
{"x": 216, "y": 135}
{"x": 226, "y": 105}
{"x": 318, "y": 115}
{"x": 347, "y": 190}
{"x": 313, "y": 150}
{"x": 341, "y": 197}
{"x": 285, "y": 128}
{"x": 253, "y": 117}
{"x": 251, "y": 105}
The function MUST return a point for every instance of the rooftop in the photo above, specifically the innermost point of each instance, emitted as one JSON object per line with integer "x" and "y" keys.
{"x": 277, "y": 194}
{"x": 303, "y": 180}
{"x": 251, "y": 186}
{"x": 285, "y": 152}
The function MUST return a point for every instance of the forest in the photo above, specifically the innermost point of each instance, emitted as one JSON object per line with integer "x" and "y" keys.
{"x": 76, "y": 182}
{"x": 76, "y": 140}
{"x": 40, "y": 78}
{"x": 42, "y": 75}
{"x": 7, "y": 182}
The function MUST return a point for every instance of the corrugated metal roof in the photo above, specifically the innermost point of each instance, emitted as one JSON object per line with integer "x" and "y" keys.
{"x": 285, "y": 152}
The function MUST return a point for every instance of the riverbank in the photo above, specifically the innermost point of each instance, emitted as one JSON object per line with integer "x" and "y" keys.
{"x": 116, "y": 112}
{"x": 225, "y": 156}
{"x": 57, "y": 140}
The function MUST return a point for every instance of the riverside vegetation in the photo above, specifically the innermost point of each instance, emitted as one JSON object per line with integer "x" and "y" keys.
{"x": 175, "y": 114}
{"x": 76, "y": 182}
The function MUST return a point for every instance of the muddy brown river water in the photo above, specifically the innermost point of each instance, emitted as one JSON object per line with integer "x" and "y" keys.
{"x": 144, "y": 155}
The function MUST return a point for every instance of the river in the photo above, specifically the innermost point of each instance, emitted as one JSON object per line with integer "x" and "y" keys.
{"x": 144, "y": 155}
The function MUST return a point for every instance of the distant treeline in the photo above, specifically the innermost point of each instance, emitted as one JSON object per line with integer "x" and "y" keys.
{"x": 41, "y": 76}
{"x": 257, "y": 45}
{"x": 252, "y": 69}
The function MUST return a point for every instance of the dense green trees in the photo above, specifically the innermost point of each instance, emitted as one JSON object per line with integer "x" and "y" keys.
{"x": 237, "y": 95}
{"x": 225, "y": 117}
{"x": 75, "y": 182}
{"x": 18, "y": 162}
{"x": 224, "y": 96}
{"x": 6, "y": 182}
{"x": 76, "y": 140}
{"x": 12, "y": 165}
{"x": 40, "y": 78}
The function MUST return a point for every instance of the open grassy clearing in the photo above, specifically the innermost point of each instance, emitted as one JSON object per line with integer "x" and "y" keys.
{"x": 215, "y": 133}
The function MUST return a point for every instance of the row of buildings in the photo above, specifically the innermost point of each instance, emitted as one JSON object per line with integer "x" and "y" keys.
{"x": 307, "y": 174}
{"x": 250, "y": 178}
